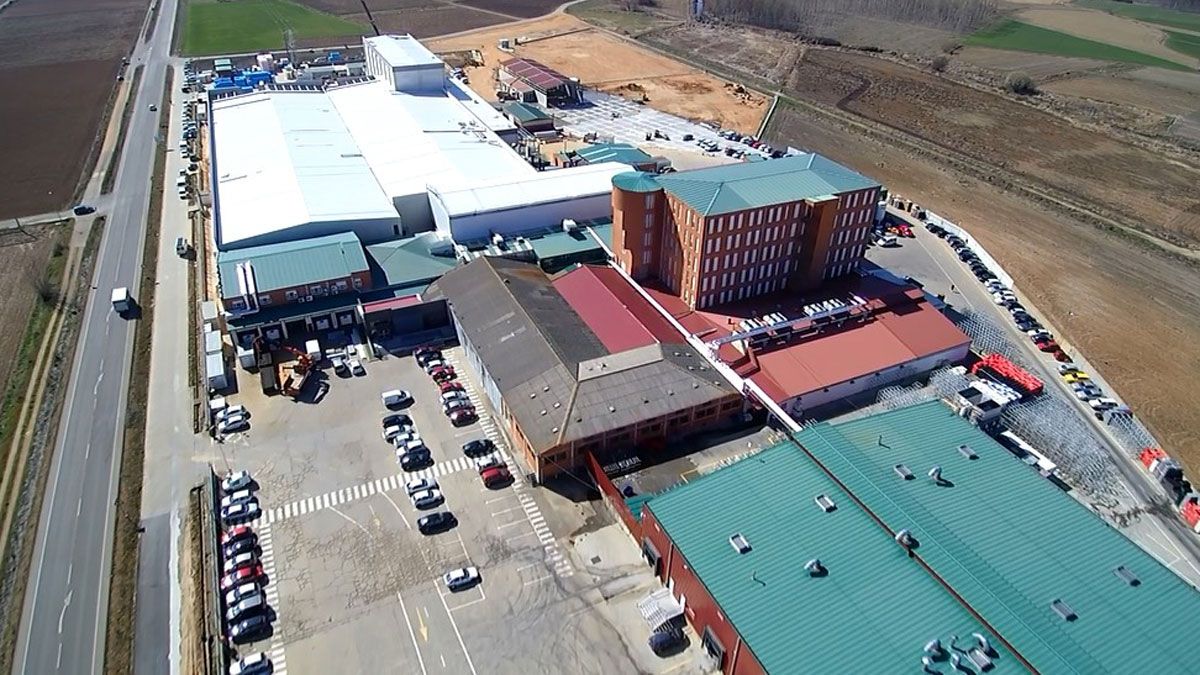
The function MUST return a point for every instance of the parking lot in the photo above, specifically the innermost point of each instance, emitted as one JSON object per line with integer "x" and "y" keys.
{"x": 355, "y": 587}
{"x": 933, "y": 263}
{"x": 624, "y": 121}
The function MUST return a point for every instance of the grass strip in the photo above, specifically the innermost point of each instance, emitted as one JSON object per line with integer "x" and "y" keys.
{"x": 110, "y": 171}
{"x": 1023, "y": 37}
{"x": 1148, "y": 13}
{"x": 119, "y": 632}
{"x": 1184, "y": 43}
{"x": 255, "y": 25}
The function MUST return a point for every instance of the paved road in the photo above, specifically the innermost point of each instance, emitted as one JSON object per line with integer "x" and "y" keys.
{"x": 62, "y": 627}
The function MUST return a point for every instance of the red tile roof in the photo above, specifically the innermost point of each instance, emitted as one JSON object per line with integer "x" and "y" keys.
{"x": 905, "y": 327}
{"x": 535, "y": 73}
{"x": 391, "y": 303}
{"x": 613, "y": 309}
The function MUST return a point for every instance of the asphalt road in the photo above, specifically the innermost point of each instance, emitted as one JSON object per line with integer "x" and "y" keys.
{"x": 62, "y": 626}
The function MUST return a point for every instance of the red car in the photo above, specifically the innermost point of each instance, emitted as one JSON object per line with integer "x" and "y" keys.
{"x": 904, "y": 230}
{"x": 1062, "y": 356}
{"x": 463, "y": 416}
{"x": 1048, "y": 346}
{"x": 235, "y": 533}
{"x": 449, "y": 386}
{"x": 241, "y": 575}
{"x": 496, "y": 477}
{"x": 443, "y": 374}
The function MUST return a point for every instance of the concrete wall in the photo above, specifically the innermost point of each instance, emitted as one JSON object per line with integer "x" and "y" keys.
{"x": 423, "y": 78}
{"x": 515, "y": 221}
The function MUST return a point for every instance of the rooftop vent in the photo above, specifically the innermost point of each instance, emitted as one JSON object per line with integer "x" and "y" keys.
{"x": 903, "y": 472}
{"x": 739, "y": 543}
{"x": 815, "y": 568}
{"x": 554, "y": 430}
{"x": 825, "y": 503}
{"x": 611, "y": 409}
{"x": 533, "y": 394}
{"x": 967, "y": 452}
{"x": 906, "y": 539}
{"x": 546, "y": 388}
{"x": 980, "y": 659}
{"x": 985, "y": 645}
{"x": 935, "y": 474}
{"x": 1125, "y": 574}
{"x": 542, "y": 412}
{"x": 934, "y": 648}
{"x": 929, "y": 666}
{"x": 1063, "y": 610}
{"x": 557, "y": 404}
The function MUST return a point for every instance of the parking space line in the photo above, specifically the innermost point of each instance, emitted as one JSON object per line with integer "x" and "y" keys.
{"x": 538, "y": 579}
{"x": 520, "y": 536}
{"x": 512, "y": 524}
{"x": 496, "y": 513}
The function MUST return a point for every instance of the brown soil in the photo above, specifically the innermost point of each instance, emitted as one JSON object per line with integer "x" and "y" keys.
{"x": 59, "y": 61}
{"x": 1134, "y": 312}
{"x": 429, "y": 21}
{"x": 1131, "y": 92}
{"x": 526, "y": 9}
{"x": 609, "y": 63}
{"x": 24, "y": 256}
{"x": 1040, "y": 67}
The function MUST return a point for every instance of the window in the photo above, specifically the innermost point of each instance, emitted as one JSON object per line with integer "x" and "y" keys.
{"x": 264, "y": 299}
{"x": 292, "y": 295}
{"x": 357, "y": 282}
{"x": 650, "y": 201}
{"x": 737, "y": 240}
{"x": 648, "y": 222}
{"x": 647, "y": 238}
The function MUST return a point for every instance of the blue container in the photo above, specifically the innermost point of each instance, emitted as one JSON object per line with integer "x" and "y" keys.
{"x": 335, "y": 57}
{"x": 222, "y": 83}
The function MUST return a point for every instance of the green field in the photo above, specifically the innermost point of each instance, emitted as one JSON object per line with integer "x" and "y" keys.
{"x": 1184, "y": 43}
{"x": 1163, "y": 17}
{"x": 1022, "y": 37}
{"x": 220, "y": 27}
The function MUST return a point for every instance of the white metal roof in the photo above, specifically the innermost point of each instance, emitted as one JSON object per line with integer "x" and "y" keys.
{"x": 284, "y": 159}
{"x": 402, "y": 50}
{"x": 510, "y": 192}
{"x": 413, "y": 141}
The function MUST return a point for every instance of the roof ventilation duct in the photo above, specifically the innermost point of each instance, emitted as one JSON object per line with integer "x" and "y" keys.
{"x": 985, "y": 646}
{"x": 815, "y": 568}
{"x": 934, "y": 648}
{"x": 906, "y": 539}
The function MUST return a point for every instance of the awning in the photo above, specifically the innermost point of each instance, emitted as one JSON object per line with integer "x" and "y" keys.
{"x": 391, "y": 303}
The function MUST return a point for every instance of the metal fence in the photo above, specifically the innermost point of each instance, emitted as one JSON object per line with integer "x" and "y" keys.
{"x": 1055, "y": 428}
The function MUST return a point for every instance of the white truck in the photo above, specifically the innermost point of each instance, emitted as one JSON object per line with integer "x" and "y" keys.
{"x": 122, "y": 301}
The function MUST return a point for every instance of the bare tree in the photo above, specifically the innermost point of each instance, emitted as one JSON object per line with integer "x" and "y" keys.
{"x": 1020, "y": 83}
{"x": 939, "y": 63}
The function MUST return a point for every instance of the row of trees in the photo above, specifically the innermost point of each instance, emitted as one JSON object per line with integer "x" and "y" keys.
{"x": 811, "y": 17}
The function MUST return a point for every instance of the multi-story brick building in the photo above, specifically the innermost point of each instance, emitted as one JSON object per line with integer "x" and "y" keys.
{"x": 732, "y": 232}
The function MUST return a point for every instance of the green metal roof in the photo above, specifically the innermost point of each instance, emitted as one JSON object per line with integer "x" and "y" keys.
{"x": 1010, "y": 543}
{"x": 872, "y": 613}
{"x": 555, "y": 243}
{"x": 294, "y": 263}
{"x": 613, "y": 152}
{"x": 279, "y": 313}
{"x": 407, "y": 261}
{"x": 525, "y": 112}
{"x": 637, "y": 181}
{"x": 748, "y": 185}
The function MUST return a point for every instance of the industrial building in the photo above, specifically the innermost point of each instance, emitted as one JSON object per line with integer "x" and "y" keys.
{"x": 852, "y": 335}
{"x": 598, "y": 153}
{"x": 402, "y": 150}
{"x": 737, "y": 231}
{"x": 532, "y": 81}
{"x": 908, "y": 541}
{"x": 570, "y": 375}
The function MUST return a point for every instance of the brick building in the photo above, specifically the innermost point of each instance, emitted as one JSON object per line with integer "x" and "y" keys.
{"x": 572, "y": 369}
{"x": 733, "y": 232}
{"x": 292, "y": 272}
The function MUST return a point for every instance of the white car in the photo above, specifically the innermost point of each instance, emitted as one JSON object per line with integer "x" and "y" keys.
{"x": 254, "y": 664}
{"x": 240, "y": 560}
{"x": 236, "y": 480}
{"x": 232, "y": 411}
{"x": 488, "y": 462}
{"x": 356, "y": 366}
{"x": 390, "y": 433}
{"x": 455, "y": 395}
{"x": 339, "y": 365}
{"x": 233, "y": 423}
{"x": 1101, "y": 404}
{"x": 243, "y": 512}
{"x": 463, "y": 577}
{"x": 395, "y": 397}
{"x": 432, "y": 364}
{"x": 236, "y": 498}
{"x": 407, "y": 437}
{"x": 240, "y": 593}
{"x": 426, "y": 498}
{"x": 420, "y": 485}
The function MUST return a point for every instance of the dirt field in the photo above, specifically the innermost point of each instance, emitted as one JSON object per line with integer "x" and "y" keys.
{"x": 1102, "y": 27}
{"x": 611, "y": 64}
{"x": 23, "y": 262}
{"x": 525, "y": 9}
{"x": 1131, "y": 91}
{"x": 59, "y": 61}
{"x": 429, "y": 21}
{"x": 1134, "y": 313}
{"x": 1040, "y": 67}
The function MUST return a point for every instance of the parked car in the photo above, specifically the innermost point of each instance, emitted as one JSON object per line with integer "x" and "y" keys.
{"x": 356, "y": 366}
{"x": 454, "y": 395}
{"x": 1065, "y": 368}
{"x": 479, "y": 447}
{"x": 246, "y": 607}
{"x": 461, "y": 578}
{"x": 456, "y": 404}
{"x": 496, "y": 477}
{"x": 241, "y": 576}
{"x": 1047, "y": 345}
{"x": 233, "y": 423}
{"x": 239, "y": 546}
{"x": 463, "y": 417}
{"x": 433, "y": 364}
{"x": 236, "y": 498}
{"x": 439, "y": 521}
{"x": 426, "y": 499}
{"x": 83, "y": 209}
{"x": 414, "y": 460}
{"x": 443, "y": 373}
{"x": 235, "y": 533}
{"x": 427, "y": 354}
{"x": 487, "y": 462}
{"x": 239, "y": 513}
{"x": 232, "y": 411}
{"x": 450, "y": 385}
{"x": 238, "y": 561}
{"x": 397, "y": 420}
{"x": 249, "y": 630}
{"x": 406, "y": 437}
{"x": 340, "y": 366}
{"x": 241, "y": 592}
{"x": 395, "y": 398}
{"x": 1076, "y": 376}
{"x": 667, "y": 642}
{"x": 395, "y": 431}
{"x": 416, "y": 485}
{"x": 254, "y": 664}
{"x": 236, "y": 480}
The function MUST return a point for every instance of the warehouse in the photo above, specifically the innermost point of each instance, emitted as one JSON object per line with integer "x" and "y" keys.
{"x": 845, "y": 552}
{"x": 561, "y": 390}
{"x": 534, "y": 82}
{"x": 298, "y": 161}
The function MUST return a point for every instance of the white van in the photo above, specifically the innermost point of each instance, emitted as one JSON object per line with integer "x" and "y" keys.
{"x": 122, "y": 301}
{"x": 394, "y": 398}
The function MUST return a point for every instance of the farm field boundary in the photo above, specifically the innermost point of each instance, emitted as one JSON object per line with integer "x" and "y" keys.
{"x": 110, "y": 171}
{"x": 1023, "y": 37}
{"x": 1159, "y": 15}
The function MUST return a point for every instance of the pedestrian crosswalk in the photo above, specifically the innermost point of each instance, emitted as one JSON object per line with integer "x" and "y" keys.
{"x": 355, "y": 493}
{"x": 271, "y": 592}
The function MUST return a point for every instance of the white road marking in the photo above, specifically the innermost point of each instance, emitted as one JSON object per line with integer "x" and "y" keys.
{"x": 411, "y": 634}
{"x": 356, "y": 523}
{"x": 397, "y": 507}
